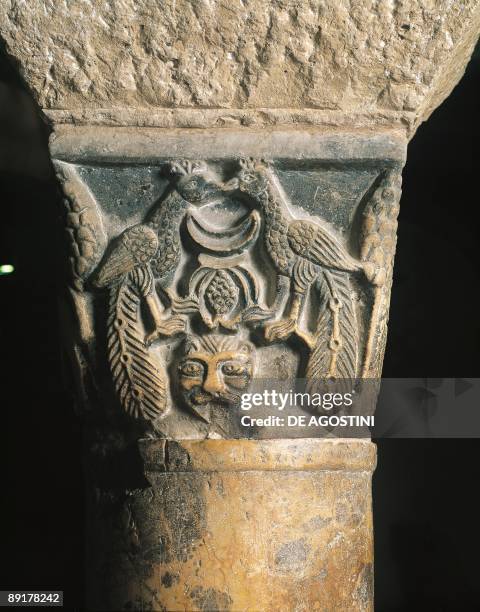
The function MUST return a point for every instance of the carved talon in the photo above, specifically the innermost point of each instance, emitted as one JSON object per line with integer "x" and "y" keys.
{"x": 256, "y": 313}
{"x": 229, "y": 324}
{"x": 280, "y": 330}
{"x": 170, "y": 327}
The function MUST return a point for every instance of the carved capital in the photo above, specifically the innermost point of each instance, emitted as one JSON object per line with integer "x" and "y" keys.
{"x": 194, "y": 278}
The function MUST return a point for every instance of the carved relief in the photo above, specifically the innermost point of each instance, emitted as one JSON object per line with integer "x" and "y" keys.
{"x": 307, "y": 254}
{"x": 223, "y": 266}
{"x": 214, "y": 370}
{"x": 84, "y": 229}
{"x": 86, "y": 240}
{"x": 139, "y": 382}
{"x": 378, "y": 240}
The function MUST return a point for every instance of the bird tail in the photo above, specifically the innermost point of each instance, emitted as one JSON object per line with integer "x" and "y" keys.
{"x": 139, "y": 382}
{"x": 334, "y": 355}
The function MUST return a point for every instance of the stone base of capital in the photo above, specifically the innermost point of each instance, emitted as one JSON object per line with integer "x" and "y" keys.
{"x": 264, "y": 525}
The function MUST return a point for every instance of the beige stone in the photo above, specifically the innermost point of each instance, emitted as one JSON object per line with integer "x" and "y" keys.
{"x": 360, "y": 62}
{"x": 277, "y": 525}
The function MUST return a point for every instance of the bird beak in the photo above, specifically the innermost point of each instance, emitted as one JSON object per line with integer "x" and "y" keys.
{"x": 231, "y": 185}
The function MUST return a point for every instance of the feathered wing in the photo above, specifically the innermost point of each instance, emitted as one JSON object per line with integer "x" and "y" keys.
{"x": 139, "y": 383}
{"x": 335, "y": 350}
{"x": 320, "y": 246}
{"x": 136, "y": 246}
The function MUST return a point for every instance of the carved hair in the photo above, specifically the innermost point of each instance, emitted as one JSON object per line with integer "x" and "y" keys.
{"x": 216, "y": 343}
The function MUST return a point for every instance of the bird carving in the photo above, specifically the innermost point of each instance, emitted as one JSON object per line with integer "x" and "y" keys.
{"x": 306, "y": 253}
{"x": 155, "y": 244}
{"x": 142, "y": 255}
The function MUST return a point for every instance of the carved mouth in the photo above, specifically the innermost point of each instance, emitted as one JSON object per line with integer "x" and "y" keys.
{"x": 201, "y": 398}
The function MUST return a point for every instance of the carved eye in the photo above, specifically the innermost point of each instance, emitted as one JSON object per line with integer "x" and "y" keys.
{"x": 191, "y": 368}
{"x": 248, "y": 177}
{"x": 234, "y": 369}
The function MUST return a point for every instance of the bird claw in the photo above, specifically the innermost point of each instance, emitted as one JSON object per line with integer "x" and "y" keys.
{"x": 253, "y": 314}
{"x": 280, "y": 330}
{"x": 170, "y": 327}
{"x": 229, "y": 324}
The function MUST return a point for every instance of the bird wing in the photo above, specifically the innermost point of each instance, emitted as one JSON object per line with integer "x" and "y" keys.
{"x": 136, "y": 246}
{"x": 318, "y": 245}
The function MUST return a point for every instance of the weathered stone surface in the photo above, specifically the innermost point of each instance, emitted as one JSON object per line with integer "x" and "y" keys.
{"x": 241, "y": 525}
{"x": 332, "y": 62}
{"x": 198, "y": 280}
{"x": 201, "y": 260}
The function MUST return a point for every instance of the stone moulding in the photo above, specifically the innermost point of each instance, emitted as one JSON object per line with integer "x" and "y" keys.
{"x": 236, "y": 118}
{"x": 123, "y": 145}
{"x": 223, "y": 456}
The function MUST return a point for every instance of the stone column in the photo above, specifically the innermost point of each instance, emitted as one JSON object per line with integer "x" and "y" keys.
{"x": 230, "y": 176}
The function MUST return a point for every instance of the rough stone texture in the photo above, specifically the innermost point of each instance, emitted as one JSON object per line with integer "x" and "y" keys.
{"x": 360, "y": 62}
{"x": 260, "y": 525}
{"x": 240, "y": 525}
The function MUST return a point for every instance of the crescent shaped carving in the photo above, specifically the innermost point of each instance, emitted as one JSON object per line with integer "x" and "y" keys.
{"x": 224, "y": 241}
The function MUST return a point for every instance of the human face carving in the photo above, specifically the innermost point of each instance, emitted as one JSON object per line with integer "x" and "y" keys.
{"x": 209, "y": 376}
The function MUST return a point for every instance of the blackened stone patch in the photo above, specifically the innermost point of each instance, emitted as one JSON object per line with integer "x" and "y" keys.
{"x": 292, "y": 555}
{"x": 168, "y": 579}
{"x": 210, "y": 600}
{"x": 169, "y": 519}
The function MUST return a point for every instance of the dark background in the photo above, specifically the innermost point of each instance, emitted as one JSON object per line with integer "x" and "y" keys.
{"x": 427, "y": 540}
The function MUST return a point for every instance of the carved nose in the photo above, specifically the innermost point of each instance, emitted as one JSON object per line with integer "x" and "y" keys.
{"x": 213, "y": 383}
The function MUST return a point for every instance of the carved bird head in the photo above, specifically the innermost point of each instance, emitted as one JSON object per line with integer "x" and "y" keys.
{"x": 252, "y": 178}
{"x": 195, "y": 182}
